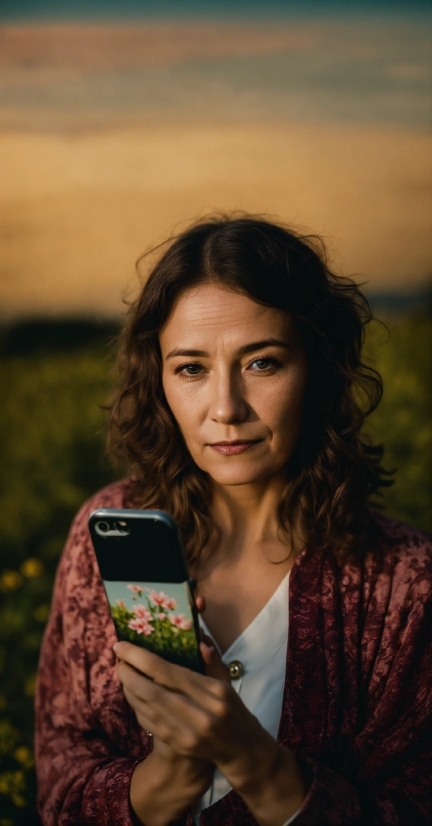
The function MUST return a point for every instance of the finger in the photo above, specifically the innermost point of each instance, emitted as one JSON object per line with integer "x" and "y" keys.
{"x": 148, "y": 719}
{"x": 200, "y": 604}
{"x": 148, "y": 695}
{"x": 152, "y": 703}
{"x": 138, "y": 684}
{"x": 176, "y": 678}
{"x": 174, "y": 720}
{"x": 148, "y": 664}
{"x": 144, "y": 714}
{"x": 215, "y": 668}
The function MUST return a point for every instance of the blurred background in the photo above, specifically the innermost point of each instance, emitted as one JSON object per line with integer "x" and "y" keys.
{"x": 120, "y": 122}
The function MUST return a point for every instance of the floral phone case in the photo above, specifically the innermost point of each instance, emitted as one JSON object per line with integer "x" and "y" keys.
{"x": 146, "y": 582}
{"x": 156, "y": 615}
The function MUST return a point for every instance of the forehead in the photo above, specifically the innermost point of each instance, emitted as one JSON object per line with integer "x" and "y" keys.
{"x": 210, "y": 311}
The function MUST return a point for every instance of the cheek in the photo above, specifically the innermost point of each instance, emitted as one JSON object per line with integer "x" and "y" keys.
{"x": 281, "y": 407}
{"x": 184, "y": 408}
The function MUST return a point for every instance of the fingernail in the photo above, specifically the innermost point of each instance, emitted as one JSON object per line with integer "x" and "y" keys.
{"x": 116, "y": 646}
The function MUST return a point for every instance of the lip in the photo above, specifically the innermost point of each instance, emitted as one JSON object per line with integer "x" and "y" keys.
{"x": 234, "y": 447}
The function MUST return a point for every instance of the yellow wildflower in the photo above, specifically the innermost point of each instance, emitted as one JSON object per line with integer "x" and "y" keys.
{"x": 32, "y": 567}
{"x": 24, "y": 756}
{"x": 10, "y": 580}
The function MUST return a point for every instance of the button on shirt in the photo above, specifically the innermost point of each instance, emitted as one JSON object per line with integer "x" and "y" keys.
{"x": 261, "y": 649}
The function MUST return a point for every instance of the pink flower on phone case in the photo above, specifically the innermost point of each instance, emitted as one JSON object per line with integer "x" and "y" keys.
{"x": 180, "y": 621}
{"x": 141, "y": 626}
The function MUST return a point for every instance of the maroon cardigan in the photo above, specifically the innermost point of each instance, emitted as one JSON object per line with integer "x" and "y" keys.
{"x": 357, "y": 698}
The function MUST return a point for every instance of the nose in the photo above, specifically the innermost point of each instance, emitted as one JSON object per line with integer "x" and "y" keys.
{"x": 228, "y": 404}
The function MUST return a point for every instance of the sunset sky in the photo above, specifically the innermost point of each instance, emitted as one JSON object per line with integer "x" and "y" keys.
{"x": 115, "y": 133}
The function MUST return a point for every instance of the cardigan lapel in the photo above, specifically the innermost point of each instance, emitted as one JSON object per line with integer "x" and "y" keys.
{"x": 319, "y": 710}
{"x": 321, "y": 678}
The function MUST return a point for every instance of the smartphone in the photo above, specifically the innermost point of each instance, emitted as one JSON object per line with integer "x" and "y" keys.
{"x": 146, "y": 581}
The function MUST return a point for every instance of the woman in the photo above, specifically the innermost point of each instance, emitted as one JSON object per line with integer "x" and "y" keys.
{"x": 240, "y": 407}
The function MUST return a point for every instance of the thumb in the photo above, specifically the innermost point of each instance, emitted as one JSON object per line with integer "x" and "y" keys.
{"x": 213, "y": 662}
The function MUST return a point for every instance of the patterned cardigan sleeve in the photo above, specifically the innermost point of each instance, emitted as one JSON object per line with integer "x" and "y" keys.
{"x": 373, "y": 722}
{"x": 84, "y": 753}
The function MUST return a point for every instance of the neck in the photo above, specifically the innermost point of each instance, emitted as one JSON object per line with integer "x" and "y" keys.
{"x": 246, "y": 515}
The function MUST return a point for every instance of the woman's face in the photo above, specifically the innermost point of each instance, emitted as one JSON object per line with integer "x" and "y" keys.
{"x": 234, "y": 376}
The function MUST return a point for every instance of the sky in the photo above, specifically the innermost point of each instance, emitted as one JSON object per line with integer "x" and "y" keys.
{"x": 116, "y": 131}
{"x": 122, "y": 9}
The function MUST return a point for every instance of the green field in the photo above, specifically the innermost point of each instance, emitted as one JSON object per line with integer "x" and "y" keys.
{"x": 51, "y": 443}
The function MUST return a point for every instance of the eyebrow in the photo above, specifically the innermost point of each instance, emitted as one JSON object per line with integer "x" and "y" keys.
{"x": 248, "y": 348}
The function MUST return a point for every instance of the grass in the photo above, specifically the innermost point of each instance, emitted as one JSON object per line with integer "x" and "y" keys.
{"x": 403, "y": 423}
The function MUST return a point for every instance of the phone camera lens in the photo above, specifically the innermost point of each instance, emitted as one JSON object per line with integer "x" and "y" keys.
{"x": 122, "y": 527}
{"x": 103, "y": 527}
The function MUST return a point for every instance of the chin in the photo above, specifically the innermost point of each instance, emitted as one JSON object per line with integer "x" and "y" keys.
{"x": 240, "y": 475}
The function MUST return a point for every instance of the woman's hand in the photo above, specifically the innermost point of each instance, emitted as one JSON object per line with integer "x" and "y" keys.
{"x": 166, "y": 784}
{"x": 187, "y": 712}
{"x": 195, "y": 716}
{"x": 214, "y": 668}
{"x": 201, "y": 718}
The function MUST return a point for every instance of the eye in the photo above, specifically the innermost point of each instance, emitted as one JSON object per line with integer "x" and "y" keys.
{"x": 265, "y": 364}
{"x": 192, "y": 369}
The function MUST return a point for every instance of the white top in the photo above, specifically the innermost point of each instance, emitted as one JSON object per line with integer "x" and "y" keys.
{"x": 262, "y": 650}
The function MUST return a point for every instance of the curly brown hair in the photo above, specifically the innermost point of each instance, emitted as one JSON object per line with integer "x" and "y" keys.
{"x": 334, "y": 472}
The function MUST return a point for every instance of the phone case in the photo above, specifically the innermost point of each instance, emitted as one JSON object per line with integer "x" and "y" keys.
{"x": 146, "y": 582}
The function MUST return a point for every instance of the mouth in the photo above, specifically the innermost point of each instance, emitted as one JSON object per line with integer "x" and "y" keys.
{"x": 234, "y": 447}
